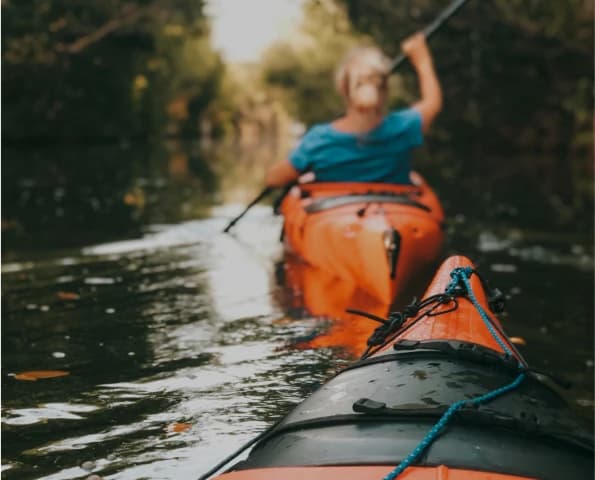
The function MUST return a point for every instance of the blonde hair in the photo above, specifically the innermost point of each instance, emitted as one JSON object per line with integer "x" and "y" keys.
{"x": 373, "y": 61}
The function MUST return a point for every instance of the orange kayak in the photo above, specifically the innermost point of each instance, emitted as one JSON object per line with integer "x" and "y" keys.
{"x": 373, "y": 235}
{"x": 441, "y": 393}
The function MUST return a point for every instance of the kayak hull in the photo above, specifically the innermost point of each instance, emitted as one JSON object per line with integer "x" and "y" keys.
{"x": 373, "y": 235}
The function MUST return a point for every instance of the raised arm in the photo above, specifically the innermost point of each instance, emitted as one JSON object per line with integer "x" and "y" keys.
{"x": 430, "y": 104}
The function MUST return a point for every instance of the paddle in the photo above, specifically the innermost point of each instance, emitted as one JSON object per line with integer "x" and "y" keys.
{"x": 260, "y": 196}
{"x": 428, "y": 31}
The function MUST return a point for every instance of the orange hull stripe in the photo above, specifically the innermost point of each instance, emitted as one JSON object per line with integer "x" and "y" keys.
{"x": 363, "y": 473}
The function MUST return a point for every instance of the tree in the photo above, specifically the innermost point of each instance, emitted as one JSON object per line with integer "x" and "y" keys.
{"x": 103, "y": 69}
{"x": 301, "y": 69}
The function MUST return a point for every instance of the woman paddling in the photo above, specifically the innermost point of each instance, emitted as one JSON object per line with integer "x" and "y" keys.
{"x": 365, "y": 145}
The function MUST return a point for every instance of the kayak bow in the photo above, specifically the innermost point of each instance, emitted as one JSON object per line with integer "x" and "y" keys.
{"x": 441, "y": 394}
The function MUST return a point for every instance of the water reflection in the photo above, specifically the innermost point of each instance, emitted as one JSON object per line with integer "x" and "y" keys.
{"x": 79, "y": 194}
{"x": 190, "y": 337}
{"x": 312, "y": 292}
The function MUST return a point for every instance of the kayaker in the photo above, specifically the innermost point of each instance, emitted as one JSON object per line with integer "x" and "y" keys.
{"x": 365, "y": 145}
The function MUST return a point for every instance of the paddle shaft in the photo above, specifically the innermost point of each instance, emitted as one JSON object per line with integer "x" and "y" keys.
{"x": 260, "y": 196}
{"x": 448, "y": 12}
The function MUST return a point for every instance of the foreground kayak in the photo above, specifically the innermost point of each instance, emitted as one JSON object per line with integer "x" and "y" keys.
{"x": 441, "y": 393}
{"x": 373, "y": 235}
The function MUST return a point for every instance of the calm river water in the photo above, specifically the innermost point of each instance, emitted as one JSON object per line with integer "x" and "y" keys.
{"x": 178, "y": 342}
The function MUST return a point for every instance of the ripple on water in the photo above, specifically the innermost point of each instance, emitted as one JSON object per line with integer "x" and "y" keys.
{"x": 45, "y": 412}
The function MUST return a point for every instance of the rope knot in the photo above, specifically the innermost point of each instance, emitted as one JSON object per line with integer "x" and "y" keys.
{"x": 459, "y": 272}
{"x": 459, "y": 283}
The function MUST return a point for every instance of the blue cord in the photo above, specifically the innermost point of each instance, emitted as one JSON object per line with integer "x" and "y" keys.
{"x": 437, "y": 428}
{"x": 459, "y": 274}
{"x": 463, "y": 274}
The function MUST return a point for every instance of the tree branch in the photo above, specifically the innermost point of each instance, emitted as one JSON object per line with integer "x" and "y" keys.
{"x": 130, "y": 13}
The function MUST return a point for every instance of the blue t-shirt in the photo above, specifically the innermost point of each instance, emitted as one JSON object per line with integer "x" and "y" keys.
{"x": 381, "y": 155}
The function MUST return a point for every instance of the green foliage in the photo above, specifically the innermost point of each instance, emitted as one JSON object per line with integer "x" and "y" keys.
{"x": 302, "y": 68}
{"x": 86, "y": 85}
{"x": 103, "y": 69}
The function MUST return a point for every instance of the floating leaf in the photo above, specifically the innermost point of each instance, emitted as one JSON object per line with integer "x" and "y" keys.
{"x": 34, "y": 375}
{"x": 518, "y": 340}
{"x": 68, "y": 296}
{"x": 178, "y": 427}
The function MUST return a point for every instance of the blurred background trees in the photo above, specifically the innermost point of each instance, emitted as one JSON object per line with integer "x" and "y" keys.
{"x": 89, "y": 91}
{"x": 92, "y": 89}
{"x": 113, "y": 69}
{"x": 301, "y": 69}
